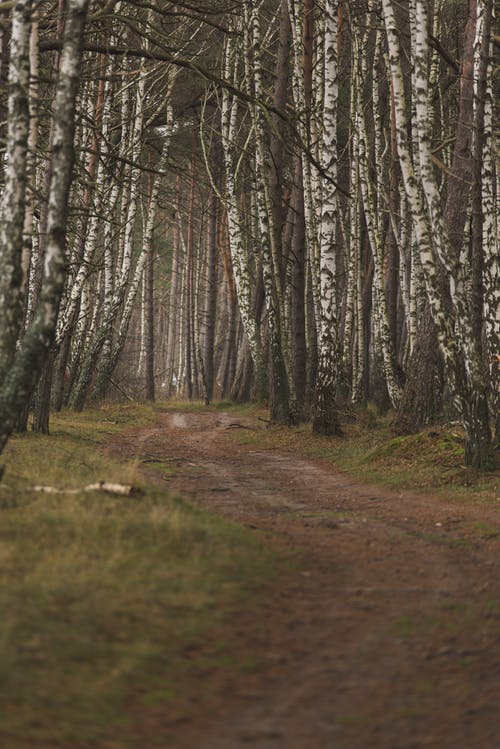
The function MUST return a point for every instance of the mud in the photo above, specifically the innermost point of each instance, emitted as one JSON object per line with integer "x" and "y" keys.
{"x": 386, "y": 636}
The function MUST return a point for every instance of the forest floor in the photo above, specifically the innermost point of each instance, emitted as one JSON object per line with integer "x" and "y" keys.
{"x": 383, "y": 632}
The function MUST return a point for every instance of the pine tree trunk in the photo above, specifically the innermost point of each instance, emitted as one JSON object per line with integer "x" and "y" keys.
{"x": 42, "y": 400}
{"x": 421, "y": 401}
{"x": 60, "y": 374}
{"x": 242, "y": 385}
{"x": 229, "y": 355}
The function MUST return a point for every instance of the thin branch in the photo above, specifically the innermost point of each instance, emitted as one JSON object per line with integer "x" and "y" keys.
{"x": 144, "y": 54}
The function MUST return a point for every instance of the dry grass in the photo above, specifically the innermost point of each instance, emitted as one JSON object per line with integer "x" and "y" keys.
{"x": 101, "y": 596}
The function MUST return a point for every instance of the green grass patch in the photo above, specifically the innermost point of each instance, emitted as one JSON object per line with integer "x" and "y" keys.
{"x": 432, "y": 460}
{"x": 109, "y": 604}
{"x": 486, "y": 531}
{"x": 473, "y": 622}
{"x": 443, "y": 540}
{"x": 404, "y": 627}
{"x": 163, "y": 467}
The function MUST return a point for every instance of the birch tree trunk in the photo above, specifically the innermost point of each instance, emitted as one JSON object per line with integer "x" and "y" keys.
{"x": 174, "y": 307}
{"x": 108, "y": 366}
{"x": 298, "y": 287}
{"x": 13, "y": 199}
{"x": 302, "y": 24}
{"x": 25, "y": 362}
{"x": 281, "y": 396}
{"x": 450, "y": 307}
{"x": 239, "y": 256}
{"x": 374, "y": 230}
{"x": 325, "y": 419}
{"x": 485, "y": 235}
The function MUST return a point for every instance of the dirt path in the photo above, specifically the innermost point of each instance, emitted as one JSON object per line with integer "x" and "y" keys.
{"x": 388, "y": 637}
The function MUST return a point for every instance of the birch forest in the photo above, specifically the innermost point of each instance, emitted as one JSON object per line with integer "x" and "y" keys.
{"x": 292, "y": 201}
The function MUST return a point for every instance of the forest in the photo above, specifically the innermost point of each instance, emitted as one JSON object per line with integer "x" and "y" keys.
{"x": 293, "y": 201}
{"x": 249, "y": 374}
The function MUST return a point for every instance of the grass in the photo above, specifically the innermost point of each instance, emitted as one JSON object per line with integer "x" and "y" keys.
{"x": 109, "y": 604}
{"x": 432, "y": 460}
{"x": 472, "y": 622}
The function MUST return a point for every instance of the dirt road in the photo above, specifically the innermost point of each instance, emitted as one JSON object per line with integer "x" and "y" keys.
{"x": 388, "y": 634}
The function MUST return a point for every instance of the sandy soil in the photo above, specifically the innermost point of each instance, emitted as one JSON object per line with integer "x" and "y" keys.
{"x": 387, "y": 636}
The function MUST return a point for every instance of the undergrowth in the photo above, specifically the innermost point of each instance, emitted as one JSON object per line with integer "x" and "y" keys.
{"x": 432, "y": 460}
{"x": 108, "y": 603}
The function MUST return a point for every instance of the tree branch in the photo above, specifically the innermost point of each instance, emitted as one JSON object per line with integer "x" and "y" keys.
{"x": 53, "y": 44}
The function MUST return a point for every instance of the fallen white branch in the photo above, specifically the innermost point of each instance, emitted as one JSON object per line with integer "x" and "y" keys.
{"x": 101, "y": 486}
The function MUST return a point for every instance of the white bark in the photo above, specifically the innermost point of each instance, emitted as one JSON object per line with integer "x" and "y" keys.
{"x": 310, "y": 178}
{"x": 239, "y": 254}
{"x": 32, "y": 148}
{"x": 328, "y": 365}
{"x": 419, "y": 218}
{"x": 13, "y": 198}
{"x": 34, "y": 348}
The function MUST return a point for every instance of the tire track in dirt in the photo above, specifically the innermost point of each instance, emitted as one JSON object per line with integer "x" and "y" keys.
{"x": 387, "y": 637}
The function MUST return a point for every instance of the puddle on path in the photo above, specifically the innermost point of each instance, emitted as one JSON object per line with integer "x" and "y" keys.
{"x": 199, "y": 421}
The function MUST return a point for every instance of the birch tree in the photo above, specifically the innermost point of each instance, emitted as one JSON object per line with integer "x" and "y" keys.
{"x": 325, "y": 416}
{"x": 239, "y": 254}
{"x": 280, "y": 382}
{"x": 21, "y": 365}
{"x": 449, "y": 302}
